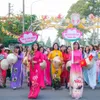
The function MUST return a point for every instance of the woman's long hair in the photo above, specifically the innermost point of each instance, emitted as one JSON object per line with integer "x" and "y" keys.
{"x": 77, "y": 43}
{"x": 57, "y": 45}
{"x": 65, "y": 49}
{"x": 26, "y": 51}
{"x": 1, "y": 47}
{"x": 18, "y": 47}
{"x": 37, "y": 46}
{"x": 88, "y": 50}
{"x": 41, "y": 47}
{"x": 92, "y": 47}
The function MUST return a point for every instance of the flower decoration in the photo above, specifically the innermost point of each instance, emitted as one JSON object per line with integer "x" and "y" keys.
{"x": 15, "y": 70}
{"x": 14, "y": 79}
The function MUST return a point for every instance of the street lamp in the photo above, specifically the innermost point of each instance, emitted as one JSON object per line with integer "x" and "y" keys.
{"x": 31, "y": 8}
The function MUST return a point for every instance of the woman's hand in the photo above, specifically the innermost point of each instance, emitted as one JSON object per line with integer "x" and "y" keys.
{"x": 77, "y": 62}
{"x": 63, "y": 62}
{"x": 63, "y": 66}
{"x": 34, "y": 62}
{"x": 16, "y": 54}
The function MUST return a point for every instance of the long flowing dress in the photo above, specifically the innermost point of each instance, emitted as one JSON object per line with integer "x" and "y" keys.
{"x": 90, "y": 74}
{"x": 17, "y": 73}
{"x": 35, "y": 75}
{"x": 98, "y": 66}
{"x": 68, "y": 71}
{"x": 28, "y": 68}
{"x": 42, "y": 74}
{"x": 2, "y": 72}
{"x": 76, "y": 77}
{"x": 24, "y": 67}
{"x": 47, "y": 72}
{"x": 55, "y": 72}
{"x": 85, "y": 71}
{"x": 65, "y": 74}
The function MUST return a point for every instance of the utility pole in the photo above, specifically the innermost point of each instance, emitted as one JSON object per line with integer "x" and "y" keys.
{"x": 9, "y": 9}
{"x": 23, "y": 15}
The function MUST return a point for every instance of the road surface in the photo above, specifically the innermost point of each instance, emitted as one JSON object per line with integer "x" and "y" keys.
{"x": 47, "y": 94}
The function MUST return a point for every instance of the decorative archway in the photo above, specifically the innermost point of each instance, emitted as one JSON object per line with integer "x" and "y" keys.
{"x": 56, "y": 22}
{"x": 61, "y": 22}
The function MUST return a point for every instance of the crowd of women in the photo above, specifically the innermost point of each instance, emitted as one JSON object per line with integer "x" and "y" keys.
{"x": 29, "y": 61}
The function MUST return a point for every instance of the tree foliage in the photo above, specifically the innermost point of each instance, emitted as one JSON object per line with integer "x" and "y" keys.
{"x": 84, "y": 8}
{"x": 14, "y": 25}
{"x": 57, "y": 41}
{"x": 79, "y": 7}
{"x": 48, "y": 43}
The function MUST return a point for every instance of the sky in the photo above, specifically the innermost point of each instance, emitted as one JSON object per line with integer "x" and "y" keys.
{"x": 39, "y": 7}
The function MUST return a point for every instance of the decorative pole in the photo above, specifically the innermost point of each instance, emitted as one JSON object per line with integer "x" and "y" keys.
{"x": 23, "y": 15}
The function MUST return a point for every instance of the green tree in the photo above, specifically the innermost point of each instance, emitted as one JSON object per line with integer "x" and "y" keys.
{"x": 14, "y": 25}
{"x": 57, "y": 41}
{"x": 48, "y": 43}
{"x": 85, "y": 7}
{"x": 79, "y": 7}
{"x": 41, "y": 43}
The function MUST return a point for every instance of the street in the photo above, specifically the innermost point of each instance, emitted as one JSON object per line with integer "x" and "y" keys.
{"x": 47, "y": 94}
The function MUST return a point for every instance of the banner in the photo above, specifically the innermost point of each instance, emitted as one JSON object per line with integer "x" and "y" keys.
{"x": 28, "y": 37}
{"x": 72, "y": 34}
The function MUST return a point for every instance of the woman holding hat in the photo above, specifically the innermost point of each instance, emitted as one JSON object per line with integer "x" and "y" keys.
{"x": 55, "y": 68}
{"x": 17, "y": 75}
{"x": 7, "y": 50}
{"x": 76, "y": 75}
{"x": 35, "y": 72}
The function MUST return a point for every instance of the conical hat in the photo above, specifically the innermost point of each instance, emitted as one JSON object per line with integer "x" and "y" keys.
{"x": 43, "y": 64}
{"x": 12, "y": 59}
{"x": 4, "y": 64}
{"x": 57, "y": 62}
{"x": 68, "y": 65}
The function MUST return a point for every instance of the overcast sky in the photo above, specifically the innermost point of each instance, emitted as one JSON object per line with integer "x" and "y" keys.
{"x": 39, "y": 7}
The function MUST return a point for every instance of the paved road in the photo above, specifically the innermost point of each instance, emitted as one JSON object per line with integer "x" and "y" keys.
{"x": 47, "y": 94}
